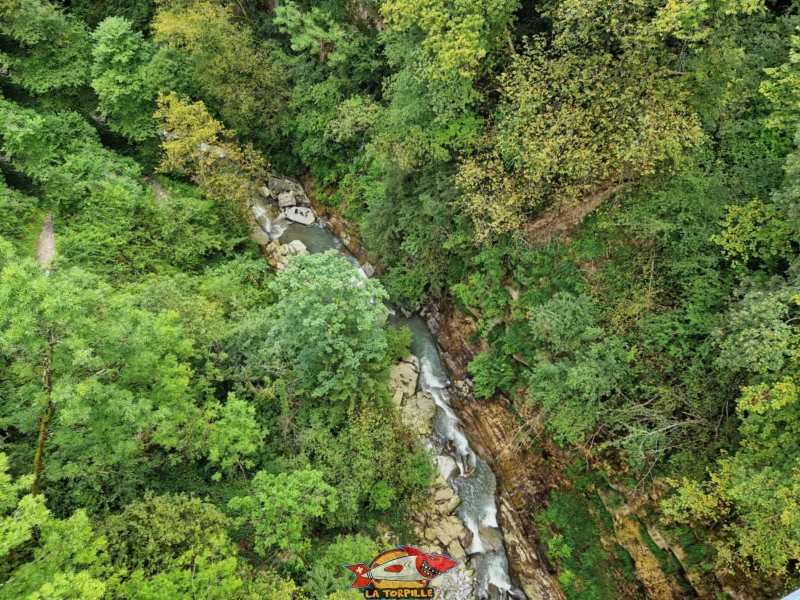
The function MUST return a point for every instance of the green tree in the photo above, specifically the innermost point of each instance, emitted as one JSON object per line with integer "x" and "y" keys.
{"x": 235, "y": 76}
{"x": 121, "y": 58}
{"x": 753, "y": 495}
{"x": 454, "y": 38}
{"x": 127, "y": 232}
{"x": 198, "y": 145}
{"x": 578, "y": 369}
{"x": 781, "y": 89}
{"x": 48, "y": 50}
{"x": 46, "y": 557}
{"x": 322, "y": 297}
{"x": 597, "y": 100}
{"x": 573, "y": 118}
{"x": 313, "y": 32}
{"x": 19, "y": 210}
{"x": 756, "y": 232}
{"x": 438, "y": 52}
{"x": 95, "y": 379}
{"x": 62, "y": 154}
{"x": 161, "y": 533}
{"x": 335, "y": 64}
{"x": 326, "y": 574}
{"x": 178, "y": 547}
{"x": 233, "y": 436}
{"x": 282, "y": 510}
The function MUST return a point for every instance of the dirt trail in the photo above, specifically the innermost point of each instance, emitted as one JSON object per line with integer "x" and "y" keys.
{"x": 160, "y": 193}
{"x": 46, "y": 246}
{"x": 563, "y": 219}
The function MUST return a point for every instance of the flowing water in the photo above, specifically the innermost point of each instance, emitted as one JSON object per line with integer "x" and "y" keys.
{"x": 317, "y": 238}
{"x": 475, "y": 483}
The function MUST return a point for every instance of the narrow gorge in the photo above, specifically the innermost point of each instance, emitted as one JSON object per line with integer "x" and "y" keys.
{"x": 465, "y": 454}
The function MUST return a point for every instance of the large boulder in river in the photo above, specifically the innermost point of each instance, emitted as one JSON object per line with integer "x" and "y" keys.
{"x": 296, "y": 247}
{"x": 403, "y": 379}
{"x": 491, "y": 538}
{"x": 446, "y": 465}
{"x": 286, "y": 199}
{"x": 280, "y": 185}
{"x": 418, "y": 412}
{"x": 300, "y": 214}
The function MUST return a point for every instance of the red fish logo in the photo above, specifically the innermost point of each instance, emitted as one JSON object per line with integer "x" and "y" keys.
{"x": 404, "y": 568}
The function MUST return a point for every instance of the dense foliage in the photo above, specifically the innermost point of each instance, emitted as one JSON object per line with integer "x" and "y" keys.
{"x": 609, "y": 189}
{"x": 168, "y": 405}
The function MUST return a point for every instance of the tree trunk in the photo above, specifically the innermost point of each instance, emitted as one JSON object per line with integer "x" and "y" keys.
{"x": 38, "y": 459}
{"x": 47, "y": 384}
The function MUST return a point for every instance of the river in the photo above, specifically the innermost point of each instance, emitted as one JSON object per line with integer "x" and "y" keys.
{"x": 475, "y": 483}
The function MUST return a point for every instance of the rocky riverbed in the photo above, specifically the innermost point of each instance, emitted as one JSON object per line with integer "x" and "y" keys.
{"x": 437, "y": 527}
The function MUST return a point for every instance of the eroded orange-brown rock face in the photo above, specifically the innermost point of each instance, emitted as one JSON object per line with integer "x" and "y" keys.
{"x": 495, "y": 432}
{"x": 456, "y": 335}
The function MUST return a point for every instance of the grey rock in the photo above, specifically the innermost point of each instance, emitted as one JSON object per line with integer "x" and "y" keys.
{"x": 455, "y": 550}
{"x": 443, "y": 495}
{"x": 217, "y": 151}
{"x": 279, "y": 185}
{"x": 397, "y": 398}
{"x": 452, "y": 505}
{"x": 302, "y": 215}
{"x": 418, "y": 413}
{"x": 468, "y": 538}
{"x": 446, "y": 465}
{"x": 260, "y": 214}
{"x": 491, "y": 538}
{"x": 296, "y": 247}
{"x": 259, "y": 237}
{"x": 404, "y": 377}
{"x": 168, "y": 135}
{"x": 448, "y": 529}
{"x": 286, "y": 199}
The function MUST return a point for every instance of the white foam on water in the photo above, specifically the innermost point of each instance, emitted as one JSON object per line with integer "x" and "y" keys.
{"x": 476, "y": 547}
{"x": 277, "y": 229}
{"x": 432, "y": 379}
{"x": 490, "y": 516}
{"x": 448, "y": 426}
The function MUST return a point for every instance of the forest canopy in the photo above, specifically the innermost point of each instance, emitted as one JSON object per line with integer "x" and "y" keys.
{"x": 609, "y": 192}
